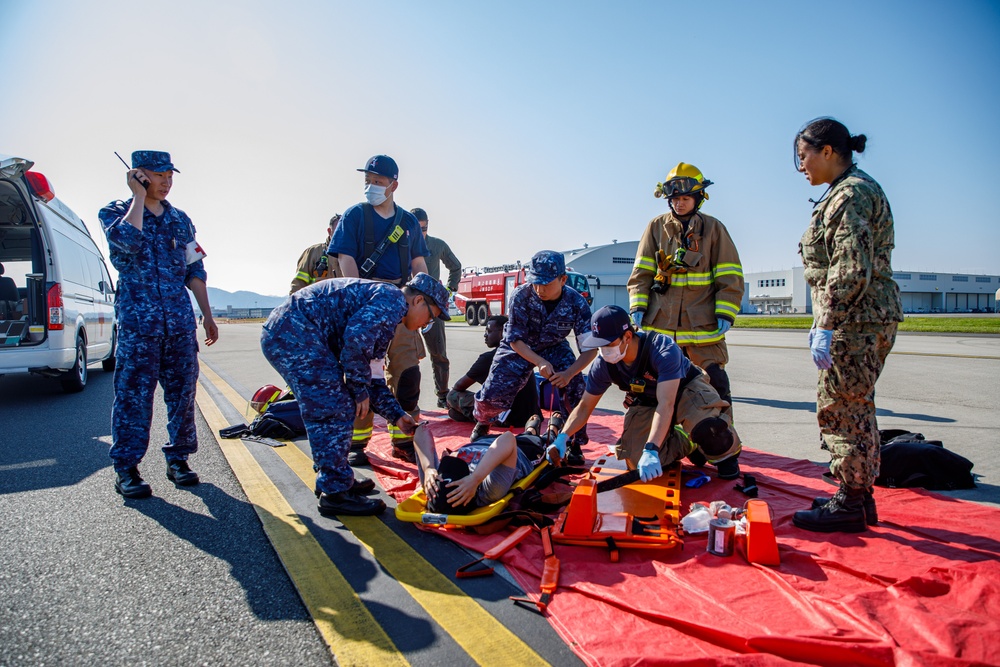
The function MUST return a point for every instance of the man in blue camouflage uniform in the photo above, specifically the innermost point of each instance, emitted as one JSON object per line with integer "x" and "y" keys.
{"x": 379, "y": 240}
{"x": 328, "y": 341}
{"x": 542, "y": 315}
{"x": 154, "y": 250}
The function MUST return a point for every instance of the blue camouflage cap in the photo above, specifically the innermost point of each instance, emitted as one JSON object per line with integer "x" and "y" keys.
{"x": 433, "y": 290}
{"x": 546, "y": 266}
{"x": 158, "y": 161}
{"x": 383, "y": 165}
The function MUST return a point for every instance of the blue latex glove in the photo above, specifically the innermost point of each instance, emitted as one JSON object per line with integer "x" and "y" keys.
{"x": 649, "y": 466}
{"x": 819, "y": 344}
{"x": 723, "y": 325}
{"x": 556, "y": 452}
{"x": 637, "y": 318}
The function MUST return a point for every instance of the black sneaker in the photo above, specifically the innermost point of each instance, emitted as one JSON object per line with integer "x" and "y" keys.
{"x": 480, "y": 430}
{"x": 729, "y": 468}
{"x": 349, "y": 503}
{"x": 442, "y": 403}
{"x": 357, "y": 457}
{"x": 129, "y": 484}
{"x": 181, "y": 474}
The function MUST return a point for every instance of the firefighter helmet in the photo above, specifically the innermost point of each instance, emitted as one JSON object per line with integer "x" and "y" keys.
{"x": 683, "y": 180}
{"x": 263, "y": 397}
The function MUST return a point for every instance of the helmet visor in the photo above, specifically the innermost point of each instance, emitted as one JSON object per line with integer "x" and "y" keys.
{"x": 679, "y": 187}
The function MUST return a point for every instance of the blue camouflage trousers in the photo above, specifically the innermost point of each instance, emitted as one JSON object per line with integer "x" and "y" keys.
{"x": 142, "y": 361}
{"x": 510, "y": 372}
{"x": 317, "y": 380}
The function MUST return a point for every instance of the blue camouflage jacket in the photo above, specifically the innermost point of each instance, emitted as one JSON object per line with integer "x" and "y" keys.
{"x": 358, "y": 319}
{"x": 530, "y": 322}
{"x": 152, "y": 270}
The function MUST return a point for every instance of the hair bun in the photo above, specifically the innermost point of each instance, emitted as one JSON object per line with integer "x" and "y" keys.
{"x": 857, "y": 143}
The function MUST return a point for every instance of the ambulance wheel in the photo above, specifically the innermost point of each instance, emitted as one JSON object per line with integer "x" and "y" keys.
{"x": 484, "y": 314}
{"x": 470, "y": 315}
{"x": 75, "y": 379}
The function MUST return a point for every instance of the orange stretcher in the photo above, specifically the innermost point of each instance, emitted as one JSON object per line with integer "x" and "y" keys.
{"x": 636, "y": 516}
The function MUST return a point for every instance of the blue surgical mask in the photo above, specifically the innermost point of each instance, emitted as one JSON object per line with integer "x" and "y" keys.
{"x": 375, "y": 194}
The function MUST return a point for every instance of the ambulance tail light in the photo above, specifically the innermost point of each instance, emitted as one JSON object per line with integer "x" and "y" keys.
{"x": 40, "y": 186}
{"x": 55, "y": 303}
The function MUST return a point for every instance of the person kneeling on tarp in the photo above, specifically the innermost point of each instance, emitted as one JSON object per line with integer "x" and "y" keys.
{"x": 672, "y": 410}
{"x": 479, "y": 473}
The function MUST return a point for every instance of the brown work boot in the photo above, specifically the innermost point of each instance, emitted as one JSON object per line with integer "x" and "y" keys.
{"x": 871, "y": 512}
{"x": 844, "y": 513}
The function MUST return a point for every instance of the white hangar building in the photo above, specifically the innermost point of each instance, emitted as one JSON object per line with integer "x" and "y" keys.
{"x": 609, "y": 266}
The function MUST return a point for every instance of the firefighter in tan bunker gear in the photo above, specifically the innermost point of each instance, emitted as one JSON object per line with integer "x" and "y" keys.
{"x": 687, "y": 280}
{"x": 314, "y": 264}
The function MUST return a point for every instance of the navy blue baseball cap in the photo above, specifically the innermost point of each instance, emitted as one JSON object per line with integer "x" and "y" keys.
{"x": 546, "y": 266}
{"x": 383, "y": 165}
{"x": 433, "y": 290}
{"x": 158, "y": 161}
{"x": 607, "y": 325}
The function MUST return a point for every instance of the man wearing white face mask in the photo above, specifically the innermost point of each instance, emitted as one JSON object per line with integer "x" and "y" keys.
{"x": 672, "y": 410}
{"x": 379, "y": 240}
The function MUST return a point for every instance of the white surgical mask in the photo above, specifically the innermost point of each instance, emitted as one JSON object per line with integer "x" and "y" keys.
{"x": 611, "y": 354}
{"x": 375, "y": 194}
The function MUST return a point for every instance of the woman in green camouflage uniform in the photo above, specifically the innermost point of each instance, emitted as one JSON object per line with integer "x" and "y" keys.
{"x": 846, "y": 252}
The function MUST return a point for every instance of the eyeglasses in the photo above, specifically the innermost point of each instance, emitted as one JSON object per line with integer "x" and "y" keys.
{"x": 430, "y": 325}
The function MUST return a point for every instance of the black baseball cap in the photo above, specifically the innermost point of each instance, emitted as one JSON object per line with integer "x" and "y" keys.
{"x": 607, "y": 325}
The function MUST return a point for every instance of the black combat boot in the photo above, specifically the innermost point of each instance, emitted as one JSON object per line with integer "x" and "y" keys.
{"x": 844, "y": 513}
{"x": 180, "y": 473}
{"x": 130, "y": 484}
{"x": 356, "y": 456}
{"x": 871, "y": 512}
{"x": 729, "y": 468}
{"x": 349, "y": 503}
{"x": 480, "y": 430}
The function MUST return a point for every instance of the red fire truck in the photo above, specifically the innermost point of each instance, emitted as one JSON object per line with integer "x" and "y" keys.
{"x": 484, "y": 292}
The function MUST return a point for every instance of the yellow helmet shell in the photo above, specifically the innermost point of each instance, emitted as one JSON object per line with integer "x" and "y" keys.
{"x": 686, "y": 172}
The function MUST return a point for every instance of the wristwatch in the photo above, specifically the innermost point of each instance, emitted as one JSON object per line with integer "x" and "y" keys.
{"x": 651, "y": 447}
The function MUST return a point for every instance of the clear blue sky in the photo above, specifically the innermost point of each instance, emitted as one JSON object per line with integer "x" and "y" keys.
{"x": 517, "y": 125}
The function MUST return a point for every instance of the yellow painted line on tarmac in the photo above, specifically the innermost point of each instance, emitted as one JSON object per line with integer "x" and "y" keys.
{"x": 346, "y": 625}
{"x": 912, "y": 354}
{"x": 485, "y": 639}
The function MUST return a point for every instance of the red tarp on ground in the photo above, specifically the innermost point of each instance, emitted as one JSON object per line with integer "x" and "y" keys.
{"x": 921, "y": 588}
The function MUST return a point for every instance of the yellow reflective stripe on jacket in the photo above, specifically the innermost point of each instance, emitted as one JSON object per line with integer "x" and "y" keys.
{"x": 685, "y": 438}
{"x": 647, "y": 263}
{"x": 691, "y": 279}
{"x": 638, "y": 301}
{"x": 304, "y": 277}
{"x": 690, "y": 337}
{"x": 726, "y": 308}
{"x": 729, "y": 270}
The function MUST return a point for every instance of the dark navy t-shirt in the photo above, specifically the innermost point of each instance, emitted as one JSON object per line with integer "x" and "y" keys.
{"x": 666, "y": 360}
{"x": 349, "y": 239}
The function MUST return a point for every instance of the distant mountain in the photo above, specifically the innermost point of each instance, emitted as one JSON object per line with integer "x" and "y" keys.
{"x": 220, "y": 299}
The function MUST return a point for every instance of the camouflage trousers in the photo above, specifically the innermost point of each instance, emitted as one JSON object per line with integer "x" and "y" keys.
{"x": 317, "y": 380}
{"x": 510, "y": 372}
{"x": 845, "y": 401}
{"x": 144, "y": 361}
